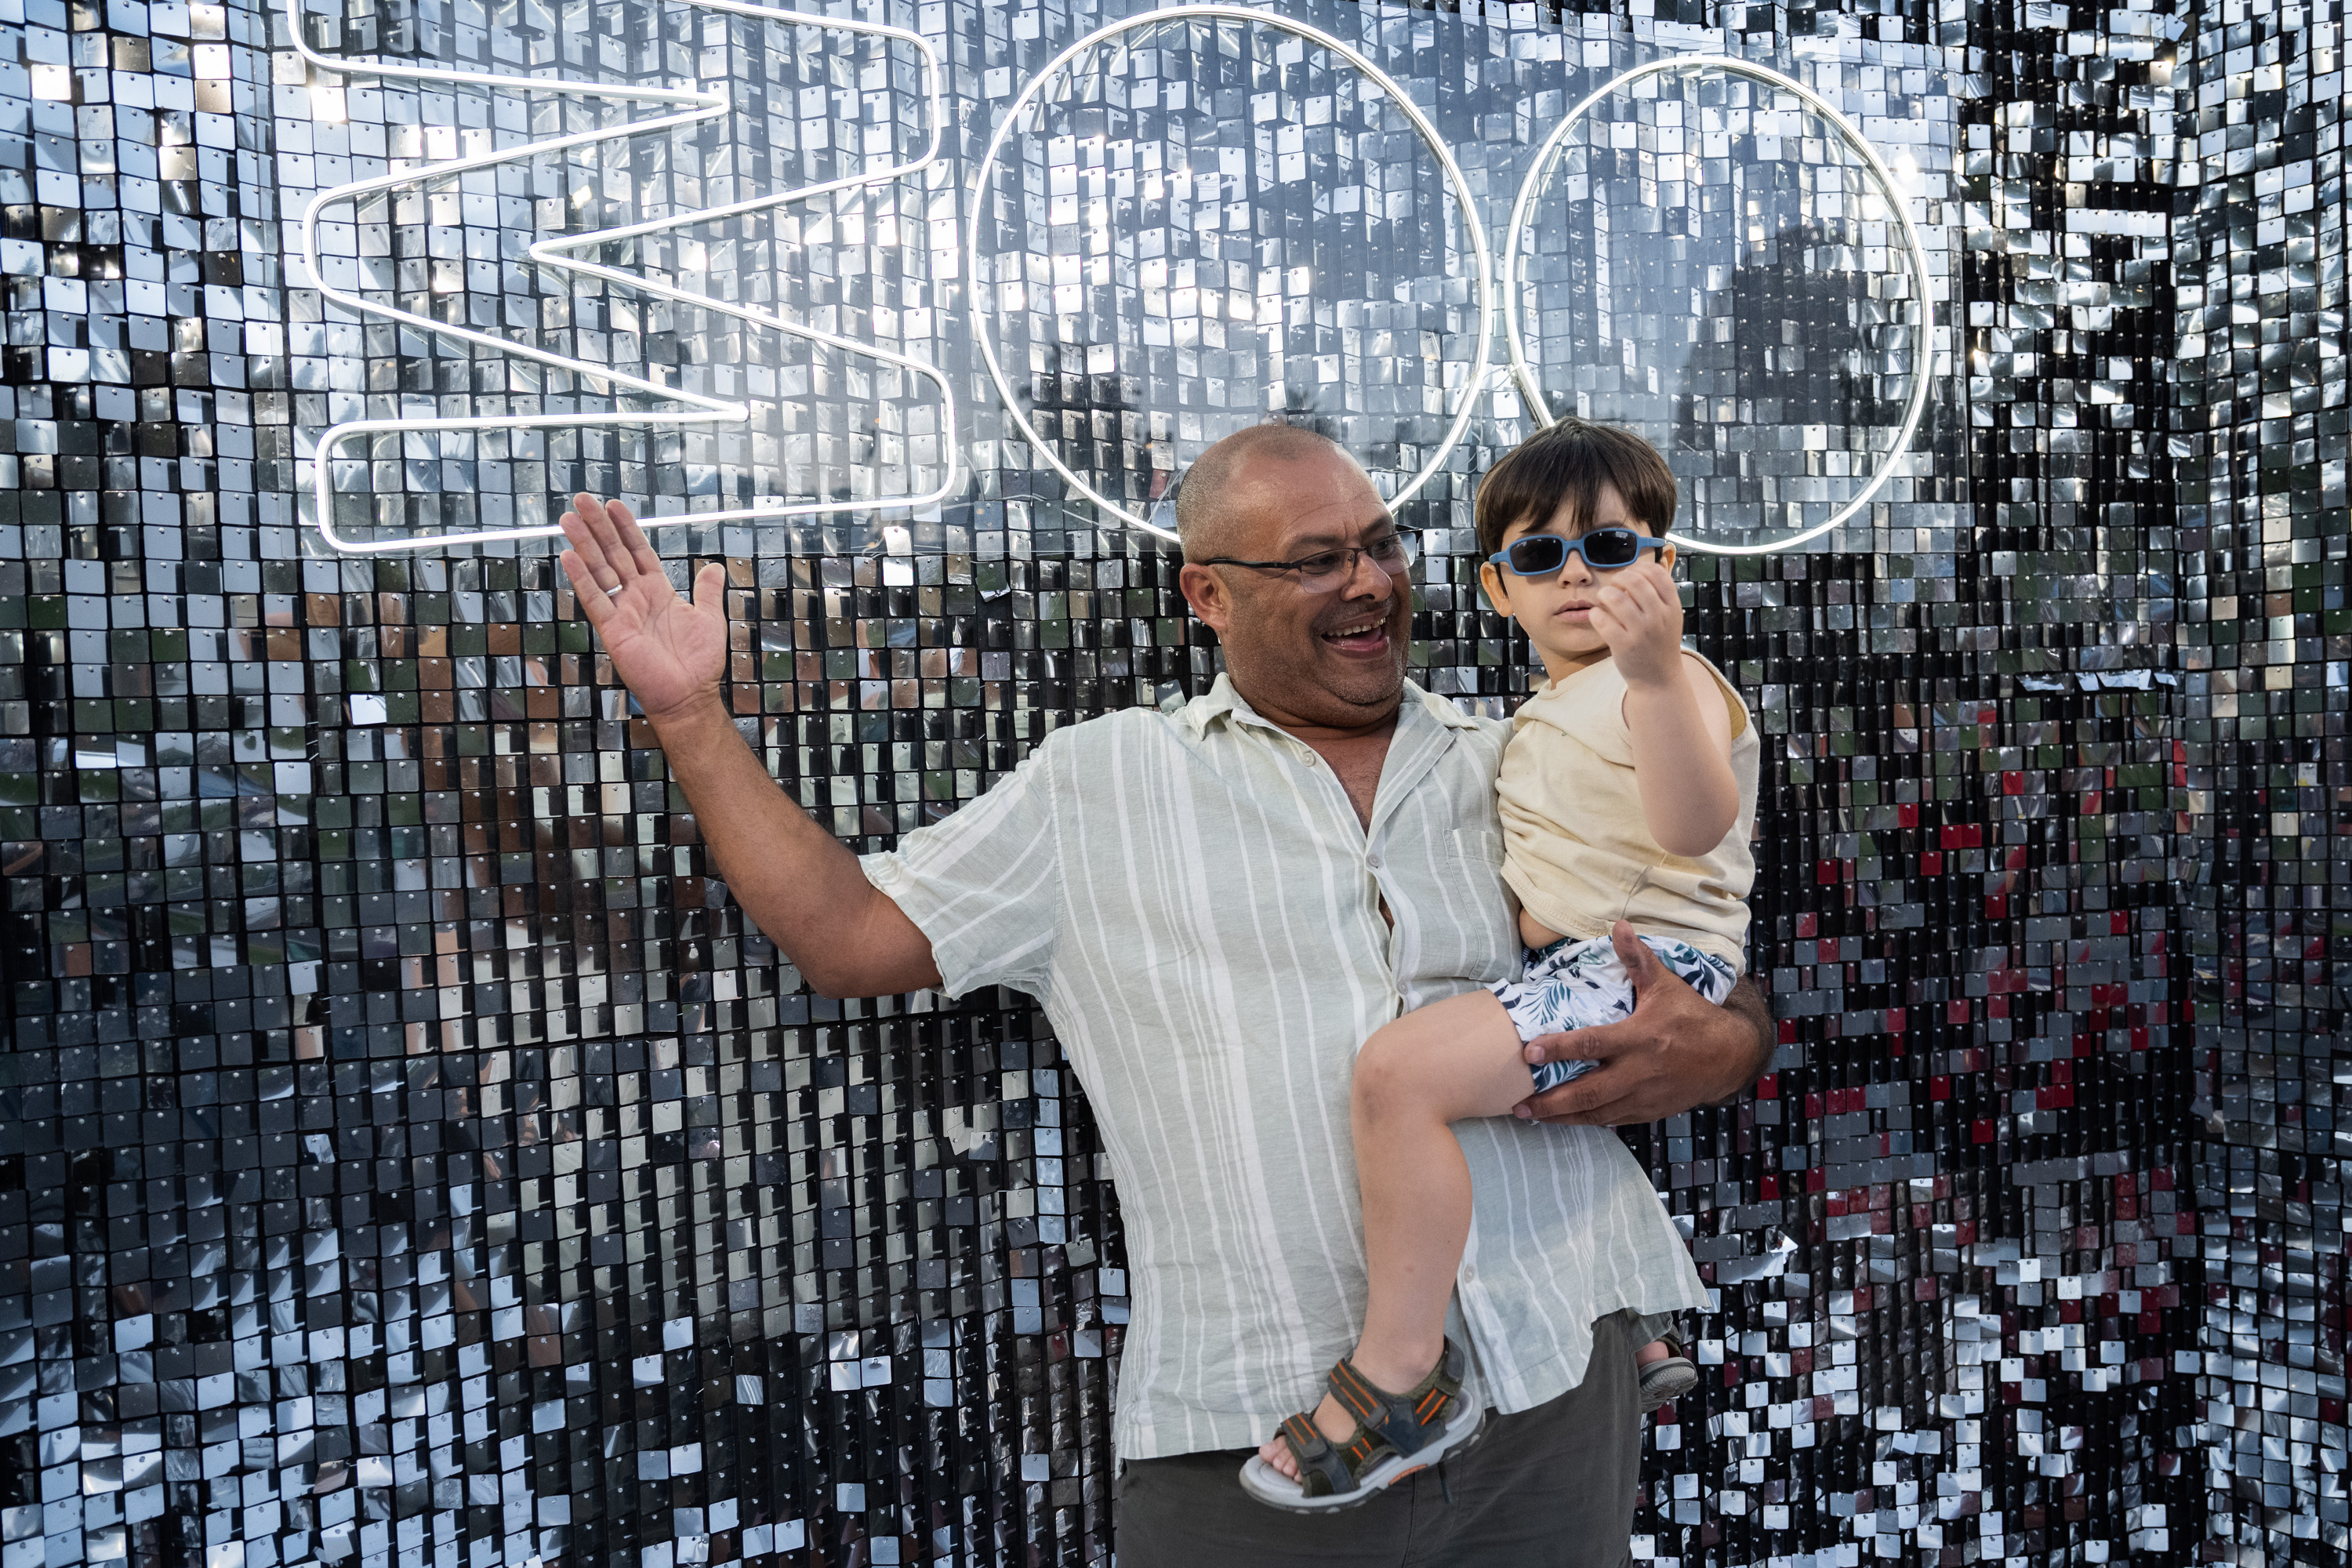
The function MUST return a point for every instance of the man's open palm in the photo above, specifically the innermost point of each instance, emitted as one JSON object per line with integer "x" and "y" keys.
{"x": 666, "y": 652}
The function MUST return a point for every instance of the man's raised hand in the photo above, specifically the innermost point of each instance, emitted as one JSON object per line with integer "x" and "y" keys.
{"x": 668, "y": 653}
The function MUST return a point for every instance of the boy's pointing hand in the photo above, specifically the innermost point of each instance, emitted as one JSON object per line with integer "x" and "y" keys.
{"x": 1640, "y": 612}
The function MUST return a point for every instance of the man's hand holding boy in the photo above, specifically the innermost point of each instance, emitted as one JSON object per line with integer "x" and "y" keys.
{"x": 1677, "y": 1050}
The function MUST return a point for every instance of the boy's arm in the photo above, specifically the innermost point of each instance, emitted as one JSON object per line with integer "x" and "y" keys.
{"x": 1681, "y": 758}
{"x": 1681, "y": 730}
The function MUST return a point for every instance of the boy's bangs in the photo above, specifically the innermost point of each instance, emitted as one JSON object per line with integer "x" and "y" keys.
{"x": 1568, "y": 464}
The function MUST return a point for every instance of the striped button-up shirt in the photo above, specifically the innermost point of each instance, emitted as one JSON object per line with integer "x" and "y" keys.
{"x": 1193, "y": 901}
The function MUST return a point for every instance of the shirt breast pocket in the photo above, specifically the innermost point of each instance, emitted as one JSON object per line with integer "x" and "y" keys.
{"x": 1480, "y": 849}
{"x": 1489, "y": 913}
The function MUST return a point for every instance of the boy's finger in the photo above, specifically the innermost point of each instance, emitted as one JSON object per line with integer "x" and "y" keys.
{"x": 1630, "y": 614}
{"x": 1626, "y": 601}
{"x": 1653, "y": 588}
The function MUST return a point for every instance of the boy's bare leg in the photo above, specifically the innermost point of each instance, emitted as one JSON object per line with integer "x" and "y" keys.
{"x": 1444, "y": 1063}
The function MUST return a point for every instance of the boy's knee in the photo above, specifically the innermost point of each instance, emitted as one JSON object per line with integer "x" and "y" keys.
{"x": 1387, "y": 1077}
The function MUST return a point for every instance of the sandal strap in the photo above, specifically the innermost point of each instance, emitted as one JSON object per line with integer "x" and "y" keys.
{"x": 1400, "y": 1421}
{"x": 1318, "y": 1459}
{"x": 1386, "y": 1424}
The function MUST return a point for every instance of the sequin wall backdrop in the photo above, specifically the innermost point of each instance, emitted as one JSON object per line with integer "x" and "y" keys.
{"x": 412, "y": 1157}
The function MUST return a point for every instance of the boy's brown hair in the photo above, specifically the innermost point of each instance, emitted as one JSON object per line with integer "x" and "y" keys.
{"x": 1567, "y": 464}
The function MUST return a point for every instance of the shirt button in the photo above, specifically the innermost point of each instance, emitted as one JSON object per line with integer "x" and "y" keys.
{"x": 1374, "y": 861}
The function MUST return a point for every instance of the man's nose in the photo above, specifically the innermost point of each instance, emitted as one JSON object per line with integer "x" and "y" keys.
{"x": 1359, "y": 565}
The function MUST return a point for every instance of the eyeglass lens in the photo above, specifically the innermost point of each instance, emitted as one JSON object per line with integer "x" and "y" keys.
{"x": 1611, "y": 547}
{"x": 1391, "y": 554}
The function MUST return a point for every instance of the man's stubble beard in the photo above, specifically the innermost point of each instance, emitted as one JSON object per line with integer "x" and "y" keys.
{"x": 1367, "y": 692}
{"x": 1310, "y": 684}
{"x": 1311, "y": 691}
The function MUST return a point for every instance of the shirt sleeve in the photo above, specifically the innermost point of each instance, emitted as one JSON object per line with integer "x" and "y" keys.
{"x": 985, "y": 884}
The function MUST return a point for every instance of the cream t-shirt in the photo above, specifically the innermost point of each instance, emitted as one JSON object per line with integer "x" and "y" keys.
{"x": 1576, "y": 848}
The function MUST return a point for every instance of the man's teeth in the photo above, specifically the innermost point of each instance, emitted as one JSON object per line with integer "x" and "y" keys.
{"x": 1367, "y": 628}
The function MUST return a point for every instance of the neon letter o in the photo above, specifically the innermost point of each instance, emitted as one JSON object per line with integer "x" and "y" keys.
{"x": 1473, "y": 379}
{"x": 1915, "y": 253}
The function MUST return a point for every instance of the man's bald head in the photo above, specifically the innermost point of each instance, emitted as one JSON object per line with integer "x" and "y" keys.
{"x": 1329, "y": 656}
{"x": 1208, "y": 517}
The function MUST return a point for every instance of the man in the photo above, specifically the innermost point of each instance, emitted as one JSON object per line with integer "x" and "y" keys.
{"x": 1216, "y": 905}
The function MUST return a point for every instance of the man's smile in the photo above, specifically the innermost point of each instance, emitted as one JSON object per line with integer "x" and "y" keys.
{"x": 1366, "y": 634}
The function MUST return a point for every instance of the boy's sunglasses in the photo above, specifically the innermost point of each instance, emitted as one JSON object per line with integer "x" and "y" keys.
{"x": 1603, "y": 549}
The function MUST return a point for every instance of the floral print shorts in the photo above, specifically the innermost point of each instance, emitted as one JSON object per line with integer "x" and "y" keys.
{"x": 1575, "y": 983}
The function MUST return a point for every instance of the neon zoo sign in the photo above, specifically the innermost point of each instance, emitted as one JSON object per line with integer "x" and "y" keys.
{"x": 697, "y": 104}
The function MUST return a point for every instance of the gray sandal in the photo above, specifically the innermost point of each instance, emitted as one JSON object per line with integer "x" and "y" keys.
{"x": 1396, "y": 1435}
{"x": 1668, "y": 1379}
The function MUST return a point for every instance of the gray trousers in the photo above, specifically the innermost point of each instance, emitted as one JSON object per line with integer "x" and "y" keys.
{"x": 1547, "y": 1488}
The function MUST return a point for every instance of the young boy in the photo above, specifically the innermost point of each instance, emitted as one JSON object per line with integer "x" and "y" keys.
{"x": 1626, "y": 793}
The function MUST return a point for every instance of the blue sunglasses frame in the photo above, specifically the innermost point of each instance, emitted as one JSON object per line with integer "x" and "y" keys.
{"x": 1501, "y": 559}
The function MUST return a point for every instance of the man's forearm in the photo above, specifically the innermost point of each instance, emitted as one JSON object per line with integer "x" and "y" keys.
{"x": 1747, "y": 1001}
{"x": 799, "y": 883}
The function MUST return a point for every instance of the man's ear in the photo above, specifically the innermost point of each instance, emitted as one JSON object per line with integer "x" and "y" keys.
{"x": 1490, "y": 583}
{"x": 1666, "y": 556}
{"x": 1207, "y": 594}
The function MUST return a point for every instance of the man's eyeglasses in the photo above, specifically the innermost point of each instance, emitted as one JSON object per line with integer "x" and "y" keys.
{"x": 1320, "y": 572}
{"x": 1603, "y": 549}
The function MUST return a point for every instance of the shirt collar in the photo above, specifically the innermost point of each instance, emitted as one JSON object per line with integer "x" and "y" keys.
{"x": 1221, "y": 703}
